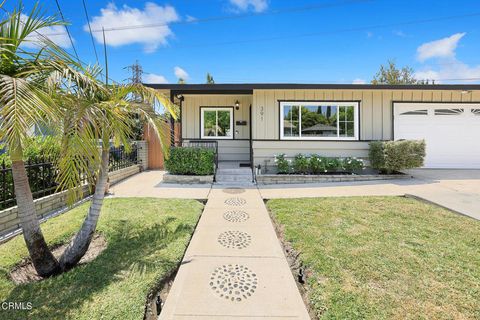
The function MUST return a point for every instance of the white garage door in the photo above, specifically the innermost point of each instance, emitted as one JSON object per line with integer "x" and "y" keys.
{"x": 451, "y": 131}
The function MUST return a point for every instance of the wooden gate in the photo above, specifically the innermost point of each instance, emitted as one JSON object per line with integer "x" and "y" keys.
{"x": 155, "y": 153}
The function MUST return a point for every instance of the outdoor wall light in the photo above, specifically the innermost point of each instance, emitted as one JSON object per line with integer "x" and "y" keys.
{"x": 237, "y": 105}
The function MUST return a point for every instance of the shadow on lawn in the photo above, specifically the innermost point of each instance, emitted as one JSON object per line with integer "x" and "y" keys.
{"x": 129, "y": 254}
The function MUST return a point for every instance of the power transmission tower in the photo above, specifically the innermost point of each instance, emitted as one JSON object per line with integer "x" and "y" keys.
{"x": 137, "y": 72}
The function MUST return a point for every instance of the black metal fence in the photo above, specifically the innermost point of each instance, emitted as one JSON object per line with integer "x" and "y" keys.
{"x": 42, "y": 175}
{"x": 120, "y": 158}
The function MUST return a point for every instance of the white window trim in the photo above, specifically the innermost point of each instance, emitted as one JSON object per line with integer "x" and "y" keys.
{"x": 202, "y": 128}
{"x": 356, "y": 119}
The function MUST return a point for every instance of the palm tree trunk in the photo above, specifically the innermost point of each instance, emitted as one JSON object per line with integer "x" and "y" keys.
{"x": 80, "y": 243}
{"x": 43, "y": 260}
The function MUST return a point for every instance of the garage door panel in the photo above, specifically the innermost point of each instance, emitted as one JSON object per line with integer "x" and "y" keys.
{"x": 452, "y": 139}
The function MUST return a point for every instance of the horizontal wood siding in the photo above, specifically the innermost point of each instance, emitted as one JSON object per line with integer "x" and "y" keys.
{"x": 266, "y": 150}
{"x": 233, "y": 150}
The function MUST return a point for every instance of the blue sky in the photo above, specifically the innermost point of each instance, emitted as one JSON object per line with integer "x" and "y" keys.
{"x": 302, "y": 41}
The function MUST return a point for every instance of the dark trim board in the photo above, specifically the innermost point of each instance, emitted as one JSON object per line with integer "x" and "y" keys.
{"x": 425, "y": 102}
{"x": 280, "y": 119}
{"x": 216, "y": 139}
{"x": 247, "y": 88}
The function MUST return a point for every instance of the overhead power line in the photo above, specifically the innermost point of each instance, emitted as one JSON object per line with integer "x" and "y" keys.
{"x": 90, "y": 28}
{"x": 68, "y": 32}
{"x": 44, "y": 37}
{"x": 229, "y": 17}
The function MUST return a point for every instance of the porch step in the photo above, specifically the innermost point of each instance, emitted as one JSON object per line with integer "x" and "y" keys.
{"x": 235, "y": 172}
{"x": 234, "y": 175}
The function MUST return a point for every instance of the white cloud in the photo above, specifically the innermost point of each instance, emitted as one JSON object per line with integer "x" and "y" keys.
{"x": 448, "y": 69}
{"x": 359, "y": 81}
{"x": 57, "y": 34}
{"x": 151, "y": 38}
{"x": 443, "y": 48}
{"x": 154, "y": 78}
{"x": 400, "y": 33}
{"x": 180, "y": 73}
{"x": 450, "y": 72}
{"x": 245, "y": 5}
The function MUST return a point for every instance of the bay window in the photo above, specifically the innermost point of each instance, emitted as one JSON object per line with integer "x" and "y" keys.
{"x": 319, "y": 120}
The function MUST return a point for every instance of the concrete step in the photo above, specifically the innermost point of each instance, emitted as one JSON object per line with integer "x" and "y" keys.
{"x": 240, "y": 171}
{"x": 234, "y": 178}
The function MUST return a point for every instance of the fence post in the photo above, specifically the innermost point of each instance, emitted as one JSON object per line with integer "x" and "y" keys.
{"x": 142, "y": 154}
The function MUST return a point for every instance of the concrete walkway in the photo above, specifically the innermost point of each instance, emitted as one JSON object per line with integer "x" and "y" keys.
{"x": 234, "y": 266}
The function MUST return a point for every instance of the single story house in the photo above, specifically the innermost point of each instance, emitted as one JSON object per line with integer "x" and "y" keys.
{"x": 254, "y": 122}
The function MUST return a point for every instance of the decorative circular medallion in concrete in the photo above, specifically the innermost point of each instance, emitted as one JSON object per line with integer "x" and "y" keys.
{"x": 236, "y": 216}
{"x": 236, "y": 202}
{"x": 233, "y": 282}
{"x": 233, "y": 190}
{"x": 234, "y": 239}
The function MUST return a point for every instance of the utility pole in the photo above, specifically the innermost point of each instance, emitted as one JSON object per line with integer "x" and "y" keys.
{"x": 137, "y": 72}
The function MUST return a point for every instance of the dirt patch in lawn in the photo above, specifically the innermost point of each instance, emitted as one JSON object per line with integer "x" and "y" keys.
{"x": 25, "y": 272}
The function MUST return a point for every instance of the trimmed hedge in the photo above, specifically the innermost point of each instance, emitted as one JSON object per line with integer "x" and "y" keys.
{"x": 390, "y": 156}
{"x": 191, "y": 161}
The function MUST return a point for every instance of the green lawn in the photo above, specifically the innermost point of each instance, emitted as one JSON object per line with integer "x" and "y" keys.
{"x": 384, "y": 257}
{"x": 146, "y": 239}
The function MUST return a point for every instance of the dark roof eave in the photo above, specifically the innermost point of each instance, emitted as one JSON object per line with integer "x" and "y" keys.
{"x": 247, "y": 88}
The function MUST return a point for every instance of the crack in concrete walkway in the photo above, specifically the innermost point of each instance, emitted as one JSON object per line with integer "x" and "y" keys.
{"x": 234, "y": 267}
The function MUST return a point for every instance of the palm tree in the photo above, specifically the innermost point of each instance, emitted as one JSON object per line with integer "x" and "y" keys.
{"x": 30, "y": 82}
{"x": 26, "y": 102}
{"x": 111, "y": 112}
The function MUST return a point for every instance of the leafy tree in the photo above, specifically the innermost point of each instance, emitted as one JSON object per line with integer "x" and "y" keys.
{"x": 390, "y": 74}
{"x": 181, "y": 81}
{"x": 210, "y": 79}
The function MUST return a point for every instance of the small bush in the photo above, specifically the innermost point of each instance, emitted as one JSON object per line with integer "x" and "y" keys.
{"x": 317, "y": 164}
{"x": 283, "y": 165}
{"x": 390, "y": 156}
{"x": 333, "y": 164}
{"x": 191, "y": 161}
{"x": 300, "y": 164}
{"x": 352, "y": 164}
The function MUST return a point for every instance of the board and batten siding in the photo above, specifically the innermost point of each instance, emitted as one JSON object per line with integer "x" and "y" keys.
{"x": 375, "y": 119}
{"x": 237, "y": 149}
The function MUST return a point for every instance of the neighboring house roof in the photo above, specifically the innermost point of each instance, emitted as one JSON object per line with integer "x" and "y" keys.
{"x": 247, "y": 88}
{"x": 320, "y": 127}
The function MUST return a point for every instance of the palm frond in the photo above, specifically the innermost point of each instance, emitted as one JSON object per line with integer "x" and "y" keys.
{"x": 23, "y": 106}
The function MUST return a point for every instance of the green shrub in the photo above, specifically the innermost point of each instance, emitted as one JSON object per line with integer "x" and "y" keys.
{"x": 191, "y": 161}
{"x": 283, "y": 165}
{"x": 300, "y": 164}
{"x": 333, "y": 164}
{"x": 375, "y": 154}
{"x": 352, "y": 164}
{"x": 317, "y": 164}
{"x": 36, "y": 148}
{"x": 390, "y": 156}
